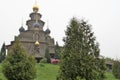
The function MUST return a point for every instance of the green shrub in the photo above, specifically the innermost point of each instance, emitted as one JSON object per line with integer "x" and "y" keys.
{"x": 18, "y": 65}
{"x": 44, "y": 60}
{"x": 116, "y": 69}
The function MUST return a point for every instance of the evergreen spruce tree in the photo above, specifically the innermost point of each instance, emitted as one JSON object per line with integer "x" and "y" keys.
{"x": 80, "y": 59}
{"x": 47, "y": 55}
{"x": 2, "y": 52}
{"x": 18, "y": 65}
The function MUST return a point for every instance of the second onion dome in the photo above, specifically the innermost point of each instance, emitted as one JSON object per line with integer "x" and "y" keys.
{"x": 21, "y": 29}
{"x": 36, "y": 25}
{"x": 47, "y": 31}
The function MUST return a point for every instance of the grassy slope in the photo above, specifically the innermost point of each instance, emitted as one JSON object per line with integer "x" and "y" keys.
{"x": 109, "y": 76}
{"x": 49, "y": 72}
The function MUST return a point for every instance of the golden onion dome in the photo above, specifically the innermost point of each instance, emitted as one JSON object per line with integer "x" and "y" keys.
{"x": 35, "y": 8}
{"x": 37, "y": 43}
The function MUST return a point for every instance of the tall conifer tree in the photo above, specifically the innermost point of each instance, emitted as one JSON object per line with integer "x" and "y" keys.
{"x": 2, "y": 52}
{"x": 47, "y": 55}
{"x": 57, "y": 51}
{"x": 80, "y": 59}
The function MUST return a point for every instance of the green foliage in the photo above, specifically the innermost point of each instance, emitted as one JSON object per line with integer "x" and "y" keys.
{"x": 50, "y": 71}
{"x": 18, "y": 65}
{"x": 80, "y": 59}
{"x": 44, "y": 60}
{"x": 57, "y": 51}
{"x": 47, "y": 55}
{"x": 116, "y": 69}
{"x": 2, "y": 52}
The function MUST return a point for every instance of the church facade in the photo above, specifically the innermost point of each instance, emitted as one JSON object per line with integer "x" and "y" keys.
{"x": 35, "y": 40}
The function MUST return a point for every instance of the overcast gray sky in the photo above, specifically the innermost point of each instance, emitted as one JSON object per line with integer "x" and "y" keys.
{"x": 103, "y": 15}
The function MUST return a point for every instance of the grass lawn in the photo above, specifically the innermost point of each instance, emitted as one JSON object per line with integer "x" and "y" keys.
{"x": 109, "y": 76}
{"x": 49, "y": 72}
